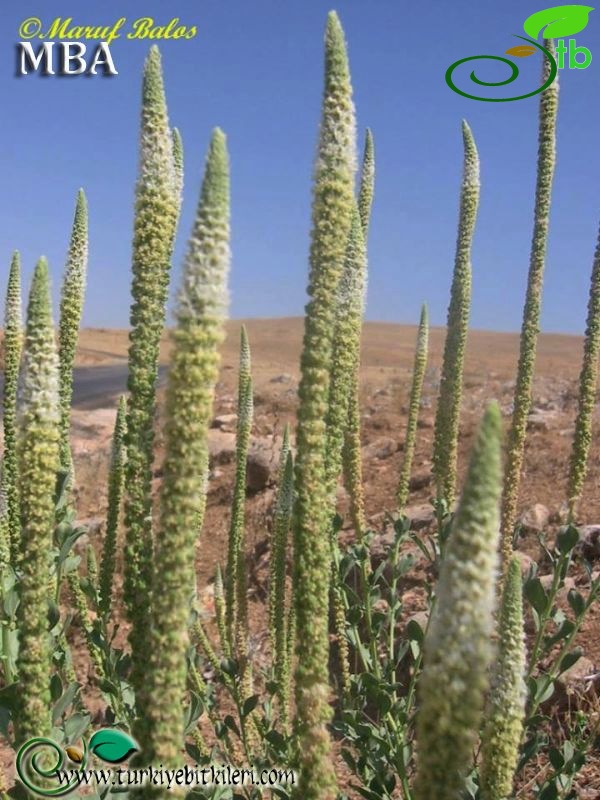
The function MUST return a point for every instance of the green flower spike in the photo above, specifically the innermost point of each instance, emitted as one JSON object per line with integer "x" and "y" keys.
{"x": 531, "y": 311}
{"x": 413, "y": 411}
{"x": 503, "y": 727}
{"x": 156, "y": 209}
{"x": 236, "y": 583}
{"x": 71, "y": 308}
{"x": 352, "y": 455}
{"x": 333, "y": 204}
{"x": 346, "y": 348}
{"x": 13, "y": 337}
{"x": 277, "y": 588}
{"x": 588, "y": 380}
{"x": 199, "y": 330}
{"x": 113, "y": 514}
{"x": 445, "y": 444}
{"x": 38, "y": 461}
{"x": 458, "y": 647}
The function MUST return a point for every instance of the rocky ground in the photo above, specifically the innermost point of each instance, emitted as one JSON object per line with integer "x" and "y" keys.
{"x": 385, "y": 385}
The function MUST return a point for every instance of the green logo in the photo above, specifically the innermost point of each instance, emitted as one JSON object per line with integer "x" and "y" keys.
{"x": 40, "y": 760}
{"x": 552, "y": 23}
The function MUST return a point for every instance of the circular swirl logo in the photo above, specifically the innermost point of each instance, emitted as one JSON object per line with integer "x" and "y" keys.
{"x": 38, "y": 762}
{"x": 41, "y": 761}
{"x": 524, "y": 50}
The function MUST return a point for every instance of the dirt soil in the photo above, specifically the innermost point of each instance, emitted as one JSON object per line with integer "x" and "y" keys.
{"x": 387, "y": 357}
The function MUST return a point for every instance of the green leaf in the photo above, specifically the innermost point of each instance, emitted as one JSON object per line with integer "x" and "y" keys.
{"x": 570, "y": 658}
{"x": 567, "y": 539}
{"x": 558, "y": 21}
{"x": 232, "y": 725}
{"x": 76, "y": 726}
{"x": 536, "y": 594}
{"x": 65, "y": 700}
{"x": 576, "y": 602}
{"x": 414, "y": 631}
{"x": 249, "y": 705}
{"x": 112, "y": 745}
{"x": 192, "y": 713}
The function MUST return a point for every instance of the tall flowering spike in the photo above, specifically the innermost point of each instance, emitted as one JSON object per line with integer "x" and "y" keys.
{"x": 531, "y": 312}
{"x": 277, "y": 587}
{"x": 235, "y": 556}
{"x": 178, "y": 165}
{"x": 367, "y": 183}
{"x": 346, "y": 347}
{"x": 12, "y": 357}
{"x": 277, "y": 560}
{"x": 352, "y": 460}
{"x": 201, "y": 311}
{"x": 588, "y": 379}
{"x": 413, "y": 411}
{"x": 458, "y": 647}
{"x": 506, "y": 706}
{"x": 203, "y": 497}
{"x": 4, "y": 522}
{"x": 220, "y": 611}
{"x": 38, "y": 459}
{"x": 333, "y": 202}
{"x": 156, "y": 212}
{"x": 351, "y": 453}
{"x": 115, "y": 497}
{"x": 71, "y": 308}
{"x": 448, "y": 408}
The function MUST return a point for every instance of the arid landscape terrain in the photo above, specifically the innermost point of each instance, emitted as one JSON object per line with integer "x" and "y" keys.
{"x": 387, "y": 357}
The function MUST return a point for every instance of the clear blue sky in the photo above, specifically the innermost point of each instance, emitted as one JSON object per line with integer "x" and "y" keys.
{"x": 255, "y": 69}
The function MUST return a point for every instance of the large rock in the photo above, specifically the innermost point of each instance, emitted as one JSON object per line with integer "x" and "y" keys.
{"x": 589, "y": 541}
{"x": 420, "y": 515}
{"x": 263, "y": 462}
{"x": 535, "y": 519}
{"x": 221, "y": 446}
{"x": 527, "y": 563}
{"x": 575, "y": 681}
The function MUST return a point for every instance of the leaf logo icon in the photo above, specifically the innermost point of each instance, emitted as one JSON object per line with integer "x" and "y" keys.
{"x": 74, "y": 754}
{"x": 112, "y": 745}
{"x": 521, "y": 51}
{"x": 558, "y": 21}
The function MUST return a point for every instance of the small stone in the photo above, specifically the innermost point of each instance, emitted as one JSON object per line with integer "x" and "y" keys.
{"x": 541, "y": 421}
{"x": 546, "y": 581}
{"x": 425, "y": 422}
{"x": 535, "y": 519}
{"x": 526, "y": 562}
{"x": 283, "y": 378}
{"x": 420, "y": 480}
{"x": 225, "y": 422}
{"x": 575, "y": 677}
{"x": 381, "y": 448}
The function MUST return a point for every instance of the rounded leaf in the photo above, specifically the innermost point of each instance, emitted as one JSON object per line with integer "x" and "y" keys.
{"x": 557, "y": 21}
{"x": 75, "y": 754}
{"x": 112, "y": 745}
{"x": 520, "y": 51}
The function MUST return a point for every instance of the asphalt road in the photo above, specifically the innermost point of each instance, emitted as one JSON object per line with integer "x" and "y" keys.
{"x": 97, "y": 387}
